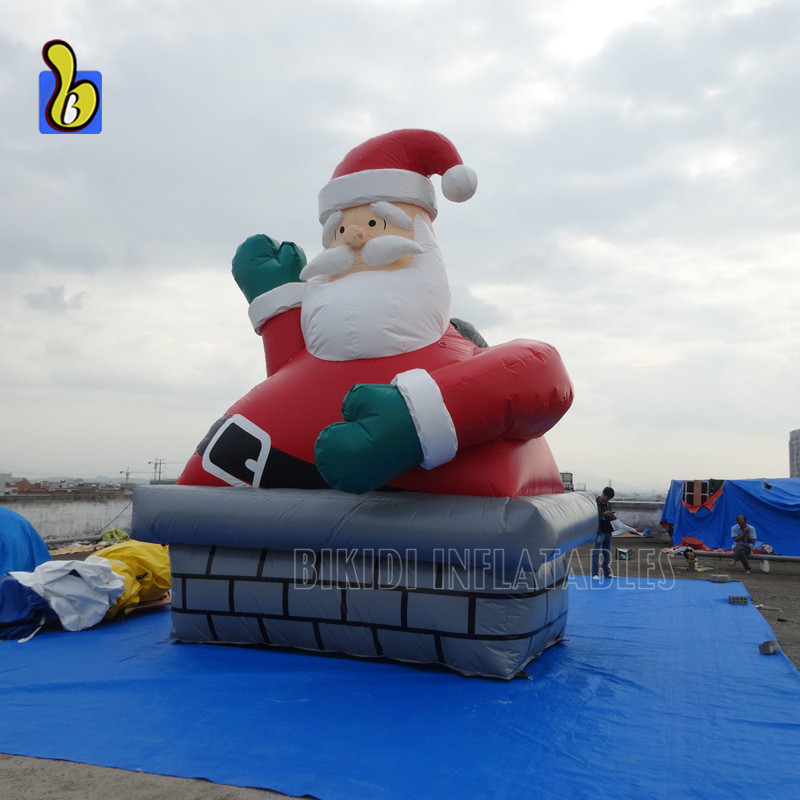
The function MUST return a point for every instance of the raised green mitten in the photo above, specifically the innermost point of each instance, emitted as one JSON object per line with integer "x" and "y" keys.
{"x": 261, "y": 264}
{"x": 376, "y": 442}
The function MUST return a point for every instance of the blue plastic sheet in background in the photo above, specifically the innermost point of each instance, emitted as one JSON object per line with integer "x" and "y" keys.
{"x": 660, "y": 692}
{"x": 772, "y": 506}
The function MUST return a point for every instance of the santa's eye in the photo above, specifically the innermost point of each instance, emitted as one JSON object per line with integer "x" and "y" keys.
{"x": 372, "y": 223}
{"x": 341, "y": 230}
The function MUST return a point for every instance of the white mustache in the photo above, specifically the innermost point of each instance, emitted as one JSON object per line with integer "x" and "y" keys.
{"x": 378, "y": 252}
{"x": 384, "y": 250}
{"x": 334, "y": 261}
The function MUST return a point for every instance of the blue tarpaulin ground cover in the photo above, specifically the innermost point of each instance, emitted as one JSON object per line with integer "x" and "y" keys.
{"x": 660, "y": 692}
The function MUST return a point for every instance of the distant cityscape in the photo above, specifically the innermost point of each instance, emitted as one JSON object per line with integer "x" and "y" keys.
{"x": 99, "y": 484}
{"x": 103, "y": 485}
{"x": 11, "y": 485}
{"x": 23, "y": 486}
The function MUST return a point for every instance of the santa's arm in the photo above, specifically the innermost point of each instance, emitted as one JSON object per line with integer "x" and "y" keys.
{"x": 268, "y": 273}
{"x": 517, "y": 390}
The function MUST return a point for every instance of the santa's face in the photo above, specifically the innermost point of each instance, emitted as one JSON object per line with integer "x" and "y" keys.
{"x": 379, "y": 288}
{"x": 360, "y": 225}
{"x": 367, "y": 237}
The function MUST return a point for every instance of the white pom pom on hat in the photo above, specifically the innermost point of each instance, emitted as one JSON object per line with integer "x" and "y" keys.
{"x": 396, "y": 167}
{"x": 459, "y": 183}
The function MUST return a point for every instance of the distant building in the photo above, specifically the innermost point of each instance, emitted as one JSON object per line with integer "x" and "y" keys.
{"x": 794, "y": 454}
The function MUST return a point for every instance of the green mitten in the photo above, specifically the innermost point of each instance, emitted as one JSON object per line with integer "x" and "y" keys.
{"x": 261, "y": 264}
{"x": 376, "y": 442}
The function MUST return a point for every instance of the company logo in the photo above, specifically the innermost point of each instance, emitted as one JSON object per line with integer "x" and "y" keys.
{"x": 69, "y": 101}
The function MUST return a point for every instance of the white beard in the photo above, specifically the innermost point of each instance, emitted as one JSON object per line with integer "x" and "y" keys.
{"x": 379, "y": 313}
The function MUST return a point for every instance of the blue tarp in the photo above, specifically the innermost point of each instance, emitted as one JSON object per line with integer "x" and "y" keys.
{"x": 21, "y": 547}
{"x": 22, "y": 611}
{"x": 632, "y": 705}
{"x": 772, "y": 506}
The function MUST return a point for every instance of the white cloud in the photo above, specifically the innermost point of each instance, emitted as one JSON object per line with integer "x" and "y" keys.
{"x": 637, "y": 207}
{"x": 580, "y": 29}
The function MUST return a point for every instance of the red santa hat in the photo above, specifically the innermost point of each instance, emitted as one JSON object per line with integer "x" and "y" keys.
{"x": 396, "y": 167}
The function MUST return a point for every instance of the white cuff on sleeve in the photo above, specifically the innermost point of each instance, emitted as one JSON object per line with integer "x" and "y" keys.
{"x": 434, "y": 425}
{"x": 274, "y": 302}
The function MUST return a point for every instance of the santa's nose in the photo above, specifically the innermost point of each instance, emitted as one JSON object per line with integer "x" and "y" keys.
{"x": 354, "y": 236}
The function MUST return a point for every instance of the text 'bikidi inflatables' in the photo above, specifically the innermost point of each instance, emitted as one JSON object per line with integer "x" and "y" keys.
{"x": 372, "y": 387}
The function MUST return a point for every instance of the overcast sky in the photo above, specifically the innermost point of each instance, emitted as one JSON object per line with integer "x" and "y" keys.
{"x": 638, "y": 207}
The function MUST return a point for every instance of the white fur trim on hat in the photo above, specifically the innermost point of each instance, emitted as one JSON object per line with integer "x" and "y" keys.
{"x": 368, "y": 186}
{"x": 432, "y": 420}
{"x": 274, "y": 302}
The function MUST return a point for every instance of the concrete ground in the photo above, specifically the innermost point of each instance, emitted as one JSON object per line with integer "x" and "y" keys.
{"x": 778, "y": 591}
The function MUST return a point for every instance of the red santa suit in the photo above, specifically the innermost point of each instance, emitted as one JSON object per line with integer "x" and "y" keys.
{"x": 501, "y": 400}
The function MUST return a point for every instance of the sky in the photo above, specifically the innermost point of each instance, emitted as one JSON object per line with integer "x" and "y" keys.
{"x": 638, "y": 207}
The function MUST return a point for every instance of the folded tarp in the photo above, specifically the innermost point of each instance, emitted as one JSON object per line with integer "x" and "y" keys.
{"x": 79, "y": 592}
{"x": 22, "y": 611}
{"x": 145, "y": 569}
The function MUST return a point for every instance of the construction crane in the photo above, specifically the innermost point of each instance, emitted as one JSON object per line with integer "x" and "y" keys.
{"x": 158, "y": 468}
{"x": 127, "y": 472}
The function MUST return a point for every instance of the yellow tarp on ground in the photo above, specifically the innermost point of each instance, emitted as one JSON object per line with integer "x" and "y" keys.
{"x": 145, "y": 569}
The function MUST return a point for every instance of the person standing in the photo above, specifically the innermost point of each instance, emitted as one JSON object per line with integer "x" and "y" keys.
{"x": 744, "y": 538}
{"x": 602, "y": 540}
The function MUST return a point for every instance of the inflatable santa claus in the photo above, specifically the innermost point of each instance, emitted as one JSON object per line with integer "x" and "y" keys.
{"x": 370, "y": 385}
